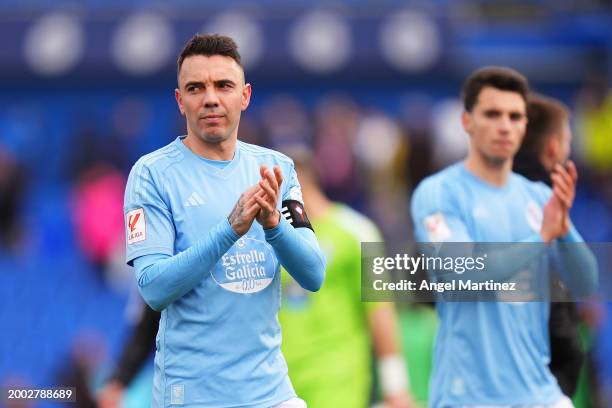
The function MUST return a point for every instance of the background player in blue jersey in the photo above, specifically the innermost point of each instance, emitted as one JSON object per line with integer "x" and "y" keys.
{"x": 547, "y": 142}
{"x": 200, "y": 257}
{"x": 496, "y": 353}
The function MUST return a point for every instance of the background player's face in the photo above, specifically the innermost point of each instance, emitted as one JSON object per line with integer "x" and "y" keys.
{"x": 496, "y": 125}
{"x": 211, "y": 96}
{"x": 557, "y": 148}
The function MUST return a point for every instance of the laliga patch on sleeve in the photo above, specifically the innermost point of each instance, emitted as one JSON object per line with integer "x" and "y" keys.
{"x": 437, "y": 228}
{"x": 294, "y": 212}
{"x": 136, "y": 228}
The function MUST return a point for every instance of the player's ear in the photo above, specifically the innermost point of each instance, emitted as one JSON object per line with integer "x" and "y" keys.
{"x": 466, "y": 121}
{"x": 179, "y": 100}
{"x": 246, "y": 96}
{"x": 553, "y": 147}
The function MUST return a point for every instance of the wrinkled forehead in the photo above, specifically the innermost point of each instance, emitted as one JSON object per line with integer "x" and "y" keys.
{"x": 203, "y": 68}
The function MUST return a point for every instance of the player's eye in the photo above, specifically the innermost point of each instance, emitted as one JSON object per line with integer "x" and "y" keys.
{"x": 491, "y": 114}
{"x": 515, "y": 116}
{"x": 193, "y": 88}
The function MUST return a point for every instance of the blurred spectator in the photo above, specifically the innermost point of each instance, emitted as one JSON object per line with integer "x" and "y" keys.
{"x": 450, "y": 142}
{"x": 136, "y": 351}
{"x": 131, "y": 118}
{"x": 251, "y": 130}
{"x": 337, "y": 120}
{"x": 285, "y": 121}
{"x": 416, "y": 120}
{"x": 595, "y": 124}
{"x": 381, "y": 150}
{"x": 84, "y": 367}
{"x": 12, "y": 187}
{"x": 594, "y": 119}
{"x": 97, "y": 215}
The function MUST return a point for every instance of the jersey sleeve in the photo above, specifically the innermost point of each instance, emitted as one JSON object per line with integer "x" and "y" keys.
{"x": 292, "y": 190}
{"x": 148, "y": 219}
{"x": 436, "y": 215}
{"x": 576, "y": 264}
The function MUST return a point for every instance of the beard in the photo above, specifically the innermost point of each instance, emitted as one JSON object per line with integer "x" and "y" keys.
{"x": 213, "y": 136}
{"x": 494, "y": 161}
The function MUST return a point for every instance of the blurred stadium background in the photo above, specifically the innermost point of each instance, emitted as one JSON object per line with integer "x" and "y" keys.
{"x": 372, "y": 87}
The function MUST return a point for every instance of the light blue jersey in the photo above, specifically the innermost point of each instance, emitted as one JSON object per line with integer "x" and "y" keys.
{"x": 487, "y": 353}
{"x": 219, "y": 339}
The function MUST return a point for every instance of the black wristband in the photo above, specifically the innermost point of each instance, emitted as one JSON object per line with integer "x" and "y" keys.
{"x": 294, "y": 212}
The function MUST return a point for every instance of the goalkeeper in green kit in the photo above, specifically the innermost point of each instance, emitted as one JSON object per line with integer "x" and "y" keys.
{"x": 328, "y": 335}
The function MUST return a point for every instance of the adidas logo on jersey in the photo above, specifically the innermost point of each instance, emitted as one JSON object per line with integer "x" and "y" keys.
{"x": 194, "y": 200}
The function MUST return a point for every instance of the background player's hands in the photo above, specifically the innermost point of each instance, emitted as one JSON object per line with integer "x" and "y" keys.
{"x": 243, "y": 214}
{"x": 268, "y": 195}
{"x": 110, "y": 396}
{"x": 556, "y": 222}
{"x": 564, "y": 183}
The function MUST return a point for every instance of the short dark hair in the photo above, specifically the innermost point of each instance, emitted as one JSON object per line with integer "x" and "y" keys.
{"x": 545, "y": 117}
{"x": 208, "y": 44}
{"x": 502, "y": 78}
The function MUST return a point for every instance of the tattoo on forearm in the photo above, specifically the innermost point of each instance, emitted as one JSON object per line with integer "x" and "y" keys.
{"x": 235, "y": 216}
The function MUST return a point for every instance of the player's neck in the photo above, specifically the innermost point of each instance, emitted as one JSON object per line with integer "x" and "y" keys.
{"x": 224, "y": 150}
{"x": 491, "y": 173}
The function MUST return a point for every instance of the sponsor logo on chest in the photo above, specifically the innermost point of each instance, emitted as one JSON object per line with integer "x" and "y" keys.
{"x": 249, "y": 266}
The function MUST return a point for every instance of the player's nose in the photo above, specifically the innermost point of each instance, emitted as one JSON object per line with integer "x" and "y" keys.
{"x": 505, "y": 124}
{"x": 210, "y": 98}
